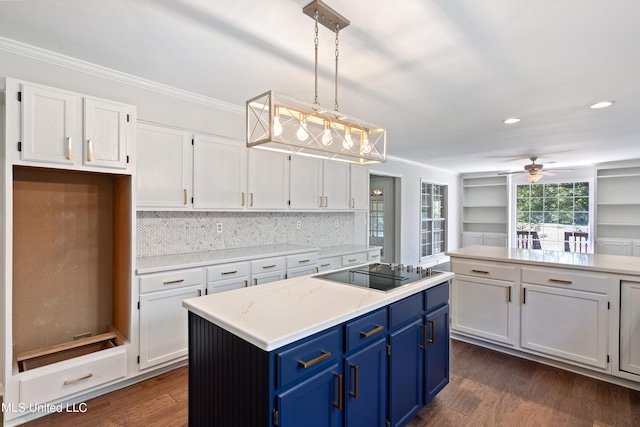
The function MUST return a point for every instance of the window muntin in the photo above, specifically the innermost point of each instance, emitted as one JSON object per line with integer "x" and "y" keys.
{"x": 433, "y": 200}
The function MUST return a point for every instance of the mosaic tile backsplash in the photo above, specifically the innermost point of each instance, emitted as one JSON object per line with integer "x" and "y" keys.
{"x": 167, "y": 233}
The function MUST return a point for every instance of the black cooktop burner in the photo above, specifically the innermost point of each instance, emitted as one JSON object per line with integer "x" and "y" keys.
{"x": 382, "y": 277}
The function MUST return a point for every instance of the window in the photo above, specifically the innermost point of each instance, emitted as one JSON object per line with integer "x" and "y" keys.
{"x": 376, "y": 217}
{"x": 553, "y": 216}
{"x": 432, "y": 219}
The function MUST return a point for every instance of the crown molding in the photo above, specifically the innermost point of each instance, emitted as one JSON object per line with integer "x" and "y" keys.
{"x": 421, "y": 165}
{"x": 33, "y": 52}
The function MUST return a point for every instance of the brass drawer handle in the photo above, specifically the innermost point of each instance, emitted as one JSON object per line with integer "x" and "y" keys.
{"x": 251, "y": 199}
{"x": 229, "y": 272}
{"x": 354, "y": 393}
{"x": 303, "y": 261}
{"x": 323, "y": 356}
{"x": 375, "y": 256}
{"x": 353, "y": 203}
{"x": 184, "y": 196}
{"x": 340, "y": 395}
{"x": 242, "y": 204}
{"x": 172, "y": 282}
{"x": 90, "y": 150}
{"x": 374, "y": 331}
{"x": 325, "y": 265}
{"x": 326, "y": 201}
{"x": 75, "y": 380}
{"x": 69, "y": 148}
{"x": 433, "y": 332}
{"x": 352, "y": 260}
{"x": 564, "y": 282}
{"x": 480, "y": 271}
{"x": 268, "y": 266}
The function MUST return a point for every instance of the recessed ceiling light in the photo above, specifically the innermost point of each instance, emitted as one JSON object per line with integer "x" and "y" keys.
{"x": 511, "y": 120}
{"x": 603, "y": 104}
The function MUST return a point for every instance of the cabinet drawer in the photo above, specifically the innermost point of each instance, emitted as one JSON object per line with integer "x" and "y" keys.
{"x": 373, "y": 255}
{"x": 436, "y": 296}
{"x": 308, "y": 357}
{"x": 100, "y": 369}
{"x": 484, "y": 269}
{"x": 366, "y": 329}
{"x": 352, "y": 259}
{"x": 227, "y": 285}
{"x": 302, "y": 260}
{"x": 405, "y": 310}
{"x": 570, "y": 279}
{"x": 227, "y": 271}
{"x": 170, "y": 280}
{"x": 329, "y": 263}
{"x": 267, "y": 264}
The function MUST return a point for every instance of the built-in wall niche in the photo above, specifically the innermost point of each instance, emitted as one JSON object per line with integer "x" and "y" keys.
{"x": 71, "y": 264}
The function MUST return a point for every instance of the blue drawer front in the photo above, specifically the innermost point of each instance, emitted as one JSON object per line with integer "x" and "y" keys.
{"x": 366, "y": 329}
{"x": 436, "y": 296}
{"x": 308, "y": 357}
{"x": 404, "y": 310}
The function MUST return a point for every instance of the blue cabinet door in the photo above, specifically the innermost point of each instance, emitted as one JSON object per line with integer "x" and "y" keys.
{"x": 406, "y": 373}
{"x": 366, "y": 386}
{"x": 437, "y": 354}
{"x": 315, "y": 402}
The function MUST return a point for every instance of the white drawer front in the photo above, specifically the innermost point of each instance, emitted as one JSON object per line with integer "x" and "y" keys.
{"x": 170, "y": 279}
{"x": 227, "y": 285}
{"x": 353, "y": 259}
{"x": 302, "y": 260}
{"x": 227, "y": 271}
{"x": 103, "y": 367}
{"x": 564, "y": 278}
{"x": 484, "y": 269}
{"x": 267, "y": 264}
{"x": 325, "y": 264}
{"x": 373, "y": 255}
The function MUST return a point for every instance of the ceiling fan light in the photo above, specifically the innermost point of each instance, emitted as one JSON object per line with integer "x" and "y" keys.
{"x": 533, "y": 178}
{"x": 602, "y": 104}
{"x": 511, "y": 120}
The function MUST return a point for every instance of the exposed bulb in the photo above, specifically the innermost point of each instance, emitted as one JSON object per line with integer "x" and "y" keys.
{"x": 365, "y": 145}
{"x": 327, "y": 139}
{"x": 302, "y": 133}
{"x": 347, "y": 144}
{"x": 277, "y": 127}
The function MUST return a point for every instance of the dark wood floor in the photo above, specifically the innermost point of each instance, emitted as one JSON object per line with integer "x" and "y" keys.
{"x": 487, "y": 389}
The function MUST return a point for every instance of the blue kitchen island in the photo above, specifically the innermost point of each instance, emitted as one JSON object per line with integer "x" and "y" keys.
{"x": 313, "y": 352}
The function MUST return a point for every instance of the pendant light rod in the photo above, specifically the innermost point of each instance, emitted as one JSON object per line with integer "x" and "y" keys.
{"x": 326, "y": 16}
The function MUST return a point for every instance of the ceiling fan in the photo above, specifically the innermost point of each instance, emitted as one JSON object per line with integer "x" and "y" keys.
{"x": 535, "y": 171}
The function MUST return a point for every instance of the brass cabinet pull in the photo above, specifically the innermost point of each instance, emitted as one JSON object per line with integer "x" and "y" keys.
{"x": 564, "y": 282}
{"x": 242, "y": 203}
{"x": 255, "y": 282}
{"x": 433, "y": 332}
{"x": 340, "y": 395}
{"x": 320, "y": 205}
{"x": 375, "y": 256}
{"x": 250, "y": 199}
{"x": 172, "y": 282}
{"x": 75, "y": 380}
{"x": 89, "y": 150}
{"x": 229, "y": 272}
{"x": 325, "y": 265}
{"x": 424, "y": 337}
{"x": 354, "y": 393}
{"x": 374, "y": 331}
{"x": 268, "y": 266}
{"x": 352, "y": 260}
{"x": 353, "y": 202}
{"x": 509, "y": 294}
{"x": 480, "y": 271}
{"x": 323, "y": 356}
{"x": 303, "y": 261}
{"x": 184, "y": 196}
{"x": 326, "y": 201}
{"x": 199, "y": 292}
{"x": 246, "y": 283}
{"x": 69, "y": 148}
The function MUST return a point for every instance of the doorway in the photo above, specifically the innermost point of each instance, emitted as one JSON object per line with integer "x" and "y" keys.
{"x": 384, "y": 209}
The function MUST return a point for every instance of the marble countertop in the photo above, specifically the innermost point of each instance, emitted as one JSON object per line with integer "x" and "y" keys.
{"x": 276, "y": 314}
{"x": 592, "y": 262}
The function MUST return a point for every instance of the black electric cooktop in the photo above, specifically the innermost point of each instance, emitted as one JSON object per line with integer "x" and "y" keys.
{"x": 382, "y": 277}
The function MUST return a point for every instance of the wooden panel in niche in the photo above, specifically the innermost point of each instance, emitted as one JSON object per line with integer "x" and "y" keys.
{"x": 63, "y": 260}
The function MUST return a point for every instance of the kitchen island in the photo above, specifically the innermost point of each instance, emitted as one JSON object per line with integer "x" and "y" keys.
{"x": 575, "y": 311}
{"x": 316, "y": 351}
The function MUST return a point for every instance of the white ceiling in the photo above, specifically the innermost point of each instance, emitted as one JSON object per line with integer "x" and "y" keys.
{"x": 440, "y": 75}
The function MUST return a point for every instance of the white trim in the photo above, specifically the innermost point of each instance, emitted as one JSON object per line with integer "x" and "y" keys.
{"x": 33, "y": 52}
{"x": 422, "y": 165}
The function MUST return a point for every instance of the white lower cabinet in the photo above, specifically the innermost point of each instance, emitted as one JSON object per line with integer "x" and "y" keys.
{"x": 614, "y": 247}
{"x": 226, "y": 277}
{"x": 267, "y": 270}
{"x": 630, "y": 327}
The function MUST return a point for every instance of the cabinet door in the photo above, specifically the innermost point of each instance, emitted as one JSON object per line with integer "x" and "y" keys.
{"x": 301, "y": 271}
{"x": 262, "y": 278}
{"x": 163, "y": 167}
{"x": 219, "y": 173}
{"x": 315, "y": 402}
{"x": 630, "y": 327}
{"x": 335, "y": 186}
{"x": 471, "y": 238}
{"x": 614, "y": 247}
{"x": 366, "y": 386}
{"x": 499, "y": 240}
{"x": 567, "y": 324}
{"x": 305, "y": 189}
{"x": 406, "y": 373}
{"x": 483, "y": 308}
{"x": 268, "y": 181}
{"x": 437, "y": 352}
{"x": 105, "y": 134}
{"x": 48, "y": 125}
{"x": 163, "y": 325}
{"x": 227, "y": 285}
{"x": 359, "y": 187}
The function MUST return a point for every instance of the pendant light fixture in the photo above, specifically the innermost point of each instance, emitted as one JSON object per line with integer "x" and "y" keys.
{"x": 281, "y": 123}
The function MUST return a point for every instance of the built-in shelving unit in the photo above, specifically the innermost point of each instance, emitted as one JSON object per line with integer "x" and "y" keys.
{"x": 485, "y": 209}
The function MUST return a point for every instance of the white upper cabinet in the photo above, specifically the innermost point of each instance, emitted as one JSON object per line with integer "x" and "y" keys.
{"x": 56, "y": 129}
{"x": 305, "y": 191}
{"x": 359, "y": 187}
{"x": 164, "y": 167}
{"x": 48, "y": 125}
{"x": 268, "y": 180}
{"x": 105, "y": 133}
{"x": 219, "y": 173}
{"x": 335, "y": 185}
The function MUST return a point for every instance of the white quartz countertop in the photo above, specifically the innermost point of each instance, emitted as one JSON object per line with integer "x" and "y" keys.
{"x": 199, "y": 259}
{"x": 593, "y": 262}
{"x": 276, "y": 314}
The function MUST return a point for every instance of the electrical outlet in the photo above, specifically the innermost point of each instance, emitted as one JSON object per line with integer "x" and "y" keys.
{"x": 336, "y": 222}
{"x": 299, "y": 225}
{"x": 219, "y": 227}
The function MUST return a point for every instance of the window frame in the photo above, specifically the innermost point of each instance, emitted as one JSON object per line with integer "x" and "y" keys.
{"x": 443, "y": 219}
